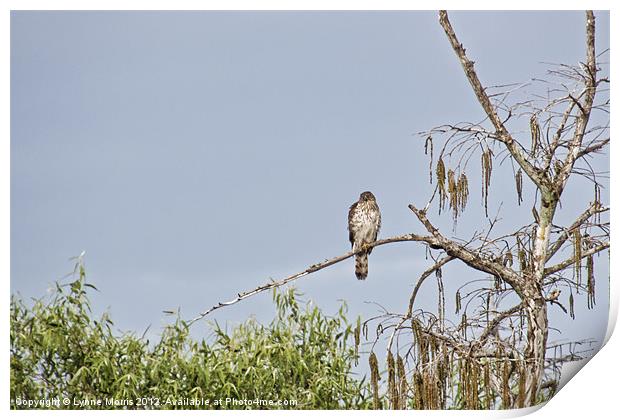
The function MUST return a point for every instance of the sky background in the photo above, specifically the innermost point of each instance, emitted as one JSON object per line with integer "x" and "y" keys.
{"x": 194, "y": 155}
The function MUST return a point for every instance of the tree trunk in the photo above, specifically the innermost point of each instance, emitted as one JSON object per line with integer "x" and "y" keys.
{"x": 534, "y": 299}
{"x": 537, "y": 330}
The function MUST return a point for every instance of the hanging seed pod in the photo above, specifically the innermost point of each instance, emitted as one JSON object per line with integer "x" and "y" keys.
{"x": 519, "y": 182}
{"x": 488, "y": 306}
{"x": 535, "y": 131}
{"x": 440, "y": 367}
{"x": 472, "y": 397}
{"x": 474, "y": 382}
{"x": 597, "y": 202}
{"x": 466, "y": 383}
{"x": 423, "y": 347}
{"x": 451, "y": 183}
{"x": 418, "y": 393}
{"x": 445, "y": 352}
{"x": 450, "y": 374}
{"x": 440, "y": 171}
{"x": 487, "y": 168}
{"x": 521, "y": 391}
{"x": 590, "y": 285}
{"x": 374, "y": 379}
{"x": 522, "y": 324}
{"x": 461, "y": 375}
{"x": 441, "y": 174}
{"x": 577, "y": 254}
{"x": 462, "y": 188}
{"x": 571, "y": 305}
{"x": 441, "y": 299}
{"x": 415, "y": 330}
{"x": 392, "y": 390}
{"x": 428, "y": 390}
{"x": 506, "y": 384}
{"x": 428, "y": 147}
{"x": 464, "y": 325}
{"x": 488, "y": 391}
{"x": 452, "y": 191}
{"x": 402, "y": 382}
{"x": 434, "y": 390}
{"x": 434, "y": 347}
{"x": 522, "y": 260}
{"x": 458, "y": 301}
{"x": 530, "y": 254}
{"x": 422, "y": 342}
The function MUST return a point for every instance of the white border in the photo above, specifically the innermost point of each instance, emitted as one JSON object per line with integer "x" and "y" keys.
{"x": 571, "y": 402}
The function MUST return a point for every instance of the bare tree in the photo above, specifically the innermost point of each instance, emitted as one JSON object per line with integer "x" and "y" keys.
{"x": 498, "y": 355}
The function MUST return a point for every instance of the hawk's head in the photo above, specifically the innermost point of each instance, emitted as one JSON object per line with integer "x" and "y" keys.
{"x": 367, "y": 196}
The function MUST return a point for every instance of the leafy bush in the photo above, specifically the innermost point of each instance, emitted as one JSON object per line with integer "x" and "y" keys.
{"x": 60, "y": 354}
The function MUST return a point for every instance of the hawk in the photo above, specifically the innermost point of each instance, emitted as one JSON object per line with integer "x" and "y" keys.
{"x": 364, "y": 225}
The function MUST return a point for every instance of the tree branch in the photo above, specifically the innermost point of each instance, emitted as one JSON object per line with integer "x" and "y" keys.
{"x": 494, "y": 323}
{"x": 423, "y": 277}
{"x": 592, "y": 148}
{"x": 469, "y": 257}
{"x": 313, "y": 268}
{"x": 585, "y": 108}
{"x": 570, "y": 261}
{"x": 594, "y": 208}
{"x": 555, "y": 142}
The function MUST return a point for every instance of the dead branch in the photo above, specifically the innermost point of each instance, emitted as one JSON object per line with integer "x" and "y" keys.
{"x": 595, "y": 208}
{"x": 469, "y": 257}
{"x": 313, "y": 268}
{"x": 570, "y": 261}
{"x": 585, "y": 108}
{"x": 494, "y": 323}
{"x": 593, "y": 148}
{"x": 423, "y": 277}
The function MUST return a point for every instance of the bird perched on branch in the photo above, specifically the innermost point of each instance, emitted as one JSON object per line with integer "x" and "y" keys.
{"x": 364, "y": 225}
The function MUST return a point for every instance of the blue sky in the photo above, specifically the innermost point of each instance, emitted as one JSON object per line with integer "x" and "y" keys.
{"x": 194, "y": 155}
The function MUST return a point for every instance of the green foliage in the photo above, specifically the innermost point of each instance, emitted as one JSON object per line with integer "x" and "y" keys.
{"x": 302, "y": 359}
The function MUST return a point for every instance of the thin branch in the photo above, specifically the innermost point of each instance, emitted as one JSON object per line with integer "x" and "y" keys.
{"x": 558, "y": 134}
{"x": 494, "y": 323}
{"x": 570, "y": 261}
{"x": 594, "y": 208}
{"x": 423, "y": 277}
{"x": 593, "y": 148}
{"x": 585, "y": 108}
{"x": 313, "y": 268}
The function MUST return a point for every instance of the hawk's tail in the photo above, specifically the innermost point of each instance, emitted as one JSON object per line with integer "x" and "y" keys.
{"x": 361, "y": 266}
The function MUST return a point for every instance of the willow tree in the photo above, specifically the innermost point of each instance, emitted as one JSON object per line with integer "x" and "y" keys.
{"x": 497, "y": 355}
